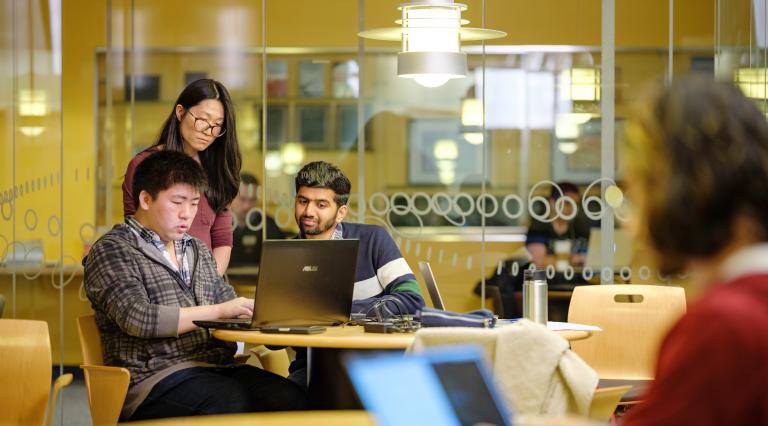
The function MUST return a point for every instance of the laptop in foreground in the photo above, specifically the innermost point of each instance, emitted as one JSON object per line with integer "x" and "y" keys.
{"x": 301, "y": 283}
{"x": 443, "y": 386}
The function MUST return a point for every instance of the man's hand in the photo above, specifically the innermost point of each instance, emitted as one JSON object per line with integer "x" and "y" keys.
{"x": 240, "y": 307}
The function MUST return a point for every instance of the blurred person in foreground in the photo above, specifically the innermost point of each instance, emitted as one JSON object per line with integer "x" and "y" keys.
{"x": 698, "y": 173}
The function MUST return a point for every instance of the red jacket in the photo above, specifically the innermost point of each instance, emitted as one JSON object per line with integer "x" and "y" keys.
{"x": 713, "y": 364}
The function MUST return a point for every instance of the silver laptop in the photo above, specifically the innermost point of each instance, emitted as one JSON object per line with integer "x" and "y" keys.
{"x": 301, "y": 283}
{"x": 622, "y": 249}
{"x": 429, "y": 280}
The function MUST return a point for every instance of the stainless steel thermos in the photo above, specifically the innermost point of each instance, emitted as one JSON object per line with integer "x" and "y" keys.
{"x": 535, "y": 296}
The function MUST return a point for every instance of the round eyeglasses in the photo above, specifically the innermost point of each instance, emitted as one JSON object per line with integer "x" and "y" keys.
{"x": 202, "y": 125}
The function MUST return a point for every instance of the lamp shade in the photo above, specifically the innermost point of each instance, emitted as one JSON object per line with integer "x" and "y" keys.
{"x": 431, "y": 33}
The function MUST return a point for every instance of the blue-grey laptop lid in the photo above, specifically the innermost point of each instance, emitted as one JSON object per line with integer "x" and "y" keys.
{"x": 444, "y": 386}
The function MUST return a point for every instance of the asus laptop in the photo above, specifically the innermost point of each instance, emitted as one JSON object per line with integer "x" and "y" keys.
{"x": 443, "y": 386}
{"x": 301, "y": 283}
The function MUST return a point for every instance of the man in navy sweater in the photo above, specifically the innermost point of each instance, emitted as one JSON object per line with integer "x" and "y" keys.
{"x": 322, "y": 193}
{"x": 383, "y": 280}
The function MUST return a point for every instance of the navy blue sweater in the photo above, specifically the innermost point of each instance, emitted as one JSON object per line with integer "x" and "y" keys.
{"x": 382, "y": 273}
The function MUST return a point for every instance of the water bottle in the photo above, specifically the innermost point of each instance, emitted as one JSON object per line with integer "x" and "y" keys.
{"x": 535, "y": 296}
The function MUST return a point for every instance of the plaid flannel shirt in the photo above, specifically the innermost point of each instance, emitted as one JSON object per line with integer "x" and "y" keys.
{"x": 136, "y": 296}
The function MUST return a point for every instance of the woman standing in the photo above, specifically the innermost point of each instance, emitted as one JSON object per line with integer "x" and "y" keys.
{"x": 202, "y": 125}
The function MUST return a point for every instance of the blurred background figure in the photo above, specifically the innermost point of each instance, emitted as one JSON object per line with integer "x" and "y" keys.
{"x": 698, "y": 175}
{"x": 561, "y": 239}
{"x": 247, "y": 235}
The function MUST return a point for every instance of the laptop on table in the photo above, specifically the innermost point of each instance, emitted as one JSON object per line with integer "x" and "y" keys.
{"x": 301, "y": 283}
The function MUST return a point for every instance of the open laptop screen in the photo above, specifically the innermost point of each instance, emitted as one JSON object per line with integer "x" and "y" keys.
{"x": 446, "y": 386}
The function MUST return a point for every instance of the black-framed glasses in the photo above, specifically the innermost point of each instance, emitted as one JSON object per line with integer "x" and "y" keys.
{"x": 203, "y": 125}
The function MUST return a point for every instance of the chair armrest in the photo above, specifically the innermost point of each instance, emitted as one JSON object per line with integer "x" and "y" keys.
{"x": 107, "y": 387}
{"x": 274, "y": 361}
{"x": 58, "y": 385}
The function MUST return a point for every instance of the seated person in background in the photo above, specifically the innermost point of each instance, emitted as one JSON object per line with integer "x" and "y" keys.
{"x": 698, "y": 172}
{"x": 383, "y": 280}
{"x": 560, "y": 242}
{"x": 564, "y": 238}
{"x": 147, "y": 280}
{"x": 246, "y": 248}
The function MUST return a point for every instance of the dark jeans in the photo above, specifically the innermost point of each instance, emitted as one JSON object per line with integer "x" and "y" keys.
{"x": 200, "y": 391}
{"x": 297, "y": 371}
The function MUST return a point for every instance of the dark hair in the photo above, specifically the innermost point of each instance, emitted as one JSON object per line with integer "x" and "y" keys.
{"x": 163, "y": 169}
{"x": 565, "y": 187}
{"x": 221, "y": 160}
{"x": 249, "y": 179}
{"x": 319, "y": 174}
{"x": 699, "y": 157}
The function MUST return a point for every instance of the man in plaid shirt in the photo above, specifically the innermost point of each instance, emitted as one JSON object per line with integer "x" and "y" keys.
{"x": 147, "y": 280}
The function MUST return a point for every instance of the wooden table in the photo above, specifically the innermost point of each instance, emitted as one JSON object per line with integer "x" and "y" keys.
{"x": 344, "y": 337}
{"x": 315, "y": 418}
{"x": 330, "y": 388}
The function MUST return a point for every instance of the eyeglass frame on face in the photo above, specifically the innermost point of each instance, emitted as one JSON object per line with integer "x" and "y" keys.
{"x": 210, "y": 126}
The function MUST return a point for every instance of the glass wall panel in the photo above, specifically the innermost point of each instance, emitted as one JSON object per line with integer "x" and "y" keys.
{"x": 36, "y": 263}
{"x": 31, "y": 179}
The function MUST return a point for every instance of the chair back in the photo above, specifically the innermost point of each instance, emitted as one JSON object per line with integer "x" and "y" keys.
{"x": 90, "y": 340}
{"x": 106, "y": 386}
{"x": 634, "y": 319}
{"x": 429, "y": 280}
{"x": 25, "y": 371}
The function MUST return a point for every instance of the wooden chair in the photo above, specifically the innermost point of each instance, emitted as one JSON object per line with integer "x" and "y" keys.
{"x": 25, "y": 373}
{"x": 106, "y": 386}
{"x": 605, "y": 401}
{"x": 275, "y": 361}
{"x": 634, "y": 319}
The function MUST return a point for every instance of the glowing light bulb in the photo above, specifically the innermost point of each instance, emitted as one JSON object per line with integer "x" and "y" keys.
{"x": 431, "y": 80}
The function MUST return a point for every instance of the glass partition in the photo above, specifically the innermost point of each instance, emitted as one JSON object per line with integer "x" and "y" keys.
{"x": 36, "y": 263}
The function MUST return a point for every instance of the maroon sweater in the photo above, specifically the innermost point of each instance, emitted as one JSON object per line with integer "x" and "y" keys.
{"x": 713, "y": 364}
{"x": 215, "y": 230}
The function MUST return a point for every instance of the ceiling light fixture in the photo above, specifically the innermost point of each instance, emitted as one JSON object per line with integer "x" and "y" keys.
{"x": 472, "y": 120}
{"x": 751, "y": 81}
{"x": 431, "y": 33}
